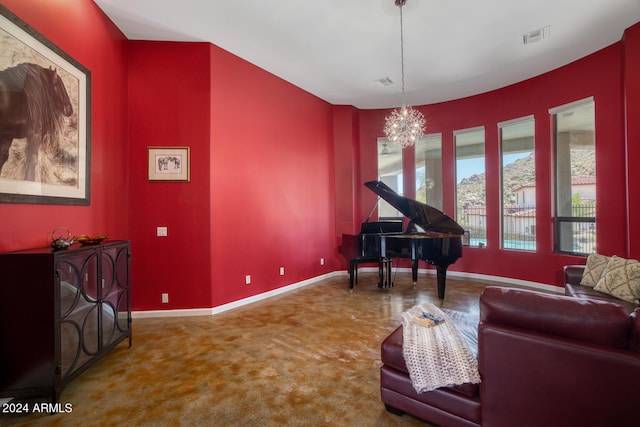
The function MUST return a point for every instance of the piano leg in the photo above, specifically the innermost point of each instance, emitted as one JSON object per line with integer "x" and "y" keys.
{"x": 414, "y": 270}
{"x": 441, "y": 271}
{"x": 352, "y": 271}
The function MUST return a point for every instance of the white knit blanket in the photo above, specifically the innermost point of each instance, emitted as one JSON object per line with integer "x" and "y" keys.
{"x": 436, "y": 356}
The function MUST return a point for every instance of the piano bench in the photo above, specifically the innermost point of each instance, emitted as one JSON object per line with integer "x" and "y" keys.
{"x": 384, "y": 270}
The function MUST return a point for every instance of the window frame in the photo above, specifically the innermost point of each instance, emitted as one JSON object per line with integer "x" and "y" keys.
{"x": 384, "y": 208}
{"x": 561, "y": 220}
{"x": 439, "y": 181}
{"x": 482, "y": 220}
{"x": 532, "y": 231}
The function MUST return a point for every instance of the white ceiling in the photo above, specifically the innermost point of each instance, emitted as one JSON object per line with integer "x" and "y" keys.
{"x": 339, "y": 49}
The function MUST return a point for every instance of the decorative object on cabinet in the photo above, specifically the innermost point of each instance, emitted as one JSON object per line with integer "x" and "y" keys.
{"x": 84, "y": 239}
{"x": 60, "y": 311}
{"x": 58, "y": 241}
{"x": 169, "y": 164}
{"x": 45, "y": 145}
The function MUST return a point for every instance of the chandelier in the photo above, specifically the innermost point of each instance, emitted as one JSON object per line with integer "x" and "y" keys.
{"x": 404, "y": 126}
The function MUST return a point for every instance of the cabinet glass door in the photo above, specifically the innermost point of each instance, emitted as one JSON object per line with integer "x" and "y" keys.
{"x": 77, "y": 273}
{"x": 115, "y": 303}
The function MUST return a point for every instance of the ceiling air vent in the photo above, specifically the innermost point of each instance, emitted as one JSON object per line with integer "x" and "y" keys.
{"x": 385, "y": 81}
{"x": 536, "y": 35}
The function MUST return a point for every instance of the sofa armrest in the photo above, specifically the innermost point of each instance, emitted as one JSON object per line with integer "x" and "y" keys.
{"x": 590, "y": 321}
{"x": 554, "y": 381}
{"x": 573, "y": 274}
{"x": 634, "y": 336}
{"x": 559, "y": 360}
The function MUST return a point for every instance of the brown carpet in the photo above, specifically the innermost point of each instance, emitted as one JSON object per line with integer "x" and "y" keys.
{"x": 310, "y": 357}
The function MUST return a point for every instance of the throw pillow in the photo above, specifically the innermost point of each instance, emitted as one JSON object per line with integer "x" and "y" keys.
{"x": 596, "y": 265}
{"x": 621, "y": 279}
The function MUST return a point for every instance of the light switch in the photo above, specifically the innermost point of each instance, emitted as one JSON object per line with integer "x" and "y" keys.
{"x": 161, "y": 231}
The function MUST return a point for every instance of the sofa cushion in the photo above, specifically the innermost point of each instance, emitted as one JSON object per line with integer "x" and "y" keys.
{"x": 596, "y": 265}
{"x": 391, "y": 355}
{"x": 621, "y": 279}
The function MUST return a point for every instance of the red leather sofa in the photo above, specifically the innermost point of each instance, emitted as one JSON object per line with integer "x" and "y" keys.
{"x": 572, "y": 287}
{"x": 545, "y": 360}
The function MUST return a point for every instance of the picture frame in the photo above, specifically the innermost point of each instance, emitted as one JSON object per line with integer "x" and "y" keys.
{"x": 45, "y": 155}
{"x": 169, "y": 164}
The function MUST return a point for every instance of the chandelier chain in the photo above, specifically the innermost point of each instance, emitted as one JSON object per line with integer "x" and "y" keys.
{"x": 404, "y": 101}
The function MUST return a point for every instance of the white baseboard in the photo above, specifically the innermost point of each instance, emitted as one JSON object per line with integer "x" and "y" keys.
{"x": 235, "y": 304}
{"x": 506, "y": 281}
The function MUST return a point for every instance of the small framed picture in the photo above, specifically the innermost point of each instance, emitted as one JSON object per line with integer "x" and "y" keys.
{"x": 169, "y": 164}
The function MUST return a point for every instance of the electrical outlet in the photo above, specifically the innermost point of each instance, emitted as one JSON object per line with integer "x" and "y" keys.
{"x": 321, "y": 261}
{"x": 247, "y": 279}
{"x": 165, "y": 298}
{"x": 282, "y": 271}
{"x": 162, "y": 232}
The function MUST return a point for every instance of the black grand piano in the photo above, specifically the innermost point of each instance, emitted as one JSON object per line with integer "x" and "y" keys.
{"x": 430, "y": 235}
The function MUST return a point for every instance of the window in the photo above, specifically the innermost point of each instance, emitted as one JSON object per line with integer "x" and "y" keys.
{"x": 429, "y": 170}
{"x": 575, "y": 177}
{"x": 470, "y": 184}
{"x": 518, "y": 178}
{"x": 389, "y": 172}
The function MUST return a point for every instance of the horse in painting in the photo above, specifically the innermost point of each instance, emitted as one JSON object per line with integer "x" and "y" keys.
{"x": 33, "y": 104}
{"x": 164, "y": 163}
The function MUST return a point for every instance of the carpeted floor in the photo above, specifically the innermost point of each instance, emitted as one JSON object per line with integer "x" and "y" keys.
{"x": 310, "y": 357}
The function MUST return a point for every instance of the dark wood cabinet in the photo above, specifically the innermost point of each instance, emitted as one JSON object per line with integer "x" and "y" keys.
{"x": 59, "y": 312}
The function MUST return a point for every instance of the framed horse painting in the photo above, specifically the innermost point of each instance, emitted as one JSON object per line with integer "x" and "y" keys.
{"x": 44, "y": 119}
{"x": 169, "y": 164}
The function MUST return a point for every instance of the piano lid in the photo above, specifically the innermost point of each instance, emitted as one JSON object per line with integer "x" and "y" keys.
{"x": 421, "y": 214}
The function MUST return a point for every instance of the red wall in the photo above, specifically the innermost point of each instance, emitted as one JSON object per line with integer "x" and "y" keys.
{"x": 260, "y": 195}
{"x": 632, "y": 125}
{"x": 272, "y": 192}
{"x": 347, "y": 169}
{"x": 81, "y": 30}
{"x": 169, "y": 92}
{"x": 598, "y": 75}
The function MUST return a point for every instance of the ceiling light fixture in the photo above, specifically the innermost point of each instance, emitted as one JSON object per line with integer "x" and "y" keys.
{"x": 404, "y": 126}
